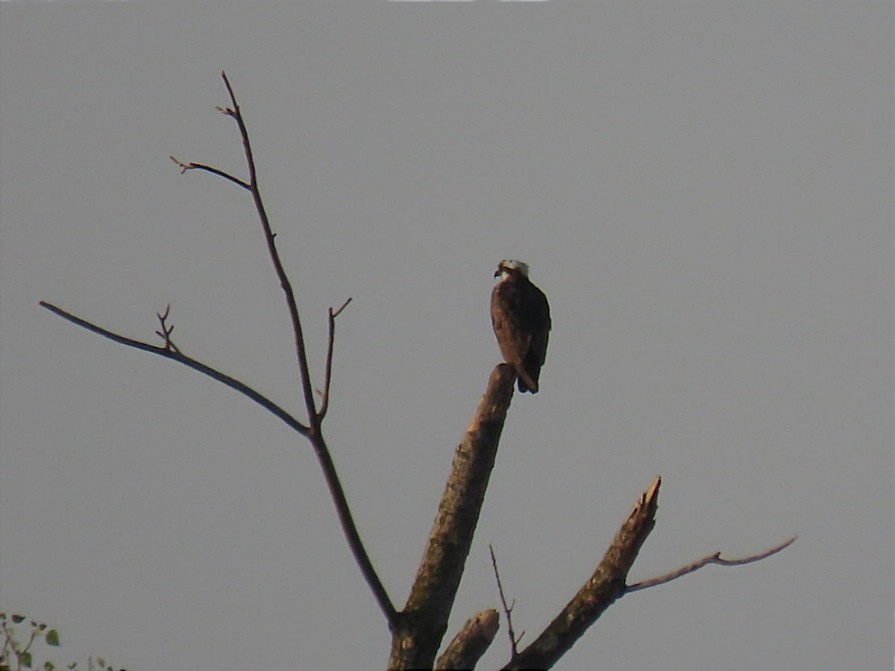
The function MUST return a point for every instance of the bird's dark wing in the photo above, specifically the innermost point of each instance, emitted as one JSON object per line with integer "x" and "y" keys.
{"x": 536, "y": 322}
{"x": 514, "y": 340}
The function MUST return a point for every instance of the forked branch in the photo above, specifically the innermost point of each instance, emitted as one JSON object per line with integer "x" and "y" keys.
{"x": 165, "y": 331}
{"x": 313, "y": 428}
{"x": 315, "y": 416}
{"x": 607, "y": 584}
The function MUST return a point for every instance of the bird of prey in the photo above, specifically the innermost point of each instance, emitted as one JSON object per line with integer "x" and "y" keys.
{"x": 520, "y": 316}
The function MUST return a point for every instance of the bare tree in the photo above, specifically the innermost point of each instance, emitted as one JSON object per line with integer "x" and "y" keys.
{"x": 419, "y": 627}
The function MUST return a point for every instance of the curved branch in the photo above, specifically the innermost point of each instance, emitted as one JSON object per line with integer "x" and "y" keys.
{"x": 214, "y": 171}
{"x": 172, "y": 353}
{"x": 711, "y": 559}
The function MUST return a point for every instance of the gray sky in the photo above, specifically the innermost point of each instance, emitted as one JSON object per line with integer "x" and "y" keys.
{"x": 704, "y": 192}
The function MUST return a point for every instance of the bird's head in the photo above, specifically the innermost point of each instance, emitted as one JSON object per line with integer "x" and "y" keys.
{"x": 511, "y": 267}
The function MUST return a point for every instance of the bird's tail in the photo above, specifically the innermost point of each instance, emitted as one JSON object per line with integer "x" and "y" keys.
{"x": 525, "y": 382}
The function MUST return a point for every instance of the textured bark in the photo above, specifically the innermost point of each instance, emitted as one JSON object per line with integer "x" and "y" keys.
{"x": 605, "y": 586}
{"x": 471, "y": 642}
{"x": 423, "y": 622}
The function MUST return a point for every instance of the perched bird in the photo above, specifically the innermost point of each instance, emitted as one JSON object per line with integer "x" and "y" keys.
{"x": 520, "y": 316}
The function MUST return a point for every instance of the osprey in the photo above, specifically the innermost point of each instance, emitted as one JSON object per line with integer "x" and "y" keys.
{"x": 520, "y": 316}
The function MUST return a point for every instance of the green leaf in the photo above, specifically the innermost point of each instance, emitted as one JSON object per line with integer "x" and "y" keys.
{"x": 25, "y": 660}
{"x": 52, "y": 637}
{"x": 101, "y": 661}
{"x": 18, "y": 618}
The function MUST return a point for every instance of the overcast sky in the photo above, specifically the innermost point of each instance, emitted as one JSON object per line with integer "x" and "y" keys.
{"x": 703, "y": 191}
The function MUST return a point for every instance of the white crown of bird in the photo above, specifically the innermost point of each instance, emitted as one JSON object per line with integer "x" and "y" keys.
{"x": 513, "y": 264}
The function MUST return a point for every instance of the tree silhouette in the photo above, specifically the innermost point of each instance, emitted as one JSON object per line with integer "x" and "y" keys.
{"x": 420, "y": 626}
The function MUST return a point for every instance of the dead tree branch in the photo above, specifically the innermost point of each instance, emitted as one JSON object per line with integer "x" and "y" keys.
{"x": 313, "y": 429}
{"x": 315, "y": 418}
{"x": 424, "y": 620}
{"x": 252, "y": 185}
{"x": 711, "y": 559}
{"x": 170, "y": 353}
{"x": 605, "y": 586}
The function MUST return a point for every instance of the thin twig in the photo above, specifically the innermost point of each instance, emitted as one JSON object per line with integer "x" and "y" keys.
{"x": 711, "y": 559}
{"x": 507, "y": 609}
{"x": 214, "y": 171}
{"x": 166, "y": 331}
{"x": 174, "y": 355}
{"x": 324, "y": 401}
